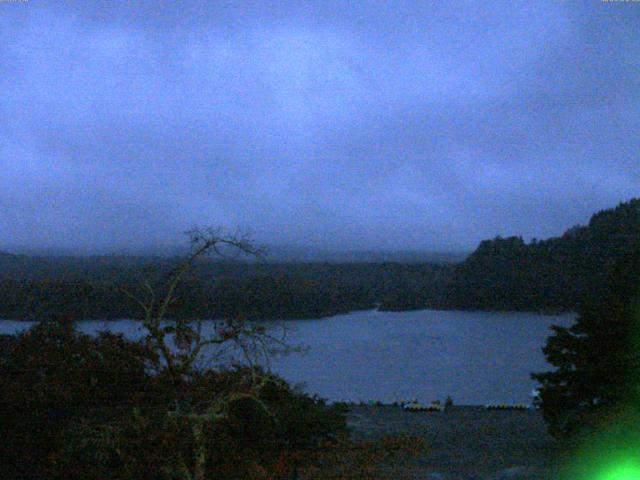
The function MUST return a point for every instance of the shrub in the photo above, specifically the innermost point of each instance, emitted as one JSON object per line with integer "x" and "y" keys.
{"x": 80, "y": 407}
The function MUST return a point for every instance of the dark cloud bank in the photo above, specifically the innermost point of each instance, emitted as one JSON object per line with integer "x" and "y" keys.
{"x": 345, "y": 125}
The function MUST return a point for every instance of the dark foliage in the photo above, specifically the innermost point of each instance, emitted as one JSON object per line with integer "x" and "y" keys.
{"x": 598, "y": 359}
{"x": 79, "y": 407}
{"x": 37, "y": 288}
{"x": 551, "y": 275}
{"x": 50, "y": 376}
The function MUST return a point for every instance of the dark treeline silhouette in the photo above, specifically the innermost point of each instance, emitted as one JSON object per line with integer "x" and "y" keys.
{"x": 548, "y": 275}
{"x": 591, "y": 398}
{"x": 90, "y": 287}
{"x": 597, "y": 360}
{"x": 552, "y": 275}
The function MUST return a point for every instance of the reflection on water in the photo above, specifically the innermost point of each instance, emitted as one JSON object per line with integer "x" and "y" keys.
{"x": 476, "y": 357}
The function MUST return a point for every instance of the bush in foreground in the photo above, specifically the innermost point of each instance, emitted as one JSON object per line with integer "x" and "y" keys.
{"x": 76, "y": 406}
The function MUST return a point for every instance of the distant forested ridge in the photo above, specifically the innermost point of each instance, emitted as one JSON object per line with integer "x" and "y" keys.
{"x": 88, "y": 287}
{"x": 550, "y": 275}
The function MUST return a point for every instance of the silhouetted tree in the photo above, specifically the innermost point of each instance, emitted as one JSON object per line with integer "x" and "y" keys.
{"x": 597, "y": 360}
{"x": 81, "y": 407}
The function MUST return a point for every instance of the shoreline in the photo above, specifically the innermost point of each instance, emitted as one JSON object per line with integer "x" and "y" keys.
{"x": 464, "y": 442}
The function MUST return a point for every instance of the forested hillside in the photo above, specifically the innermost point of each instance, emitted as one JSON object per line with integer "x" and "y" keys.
{"x": 502, "y": 274}
{"x": 548, "y": 275}
{"x": 91, "y": 287}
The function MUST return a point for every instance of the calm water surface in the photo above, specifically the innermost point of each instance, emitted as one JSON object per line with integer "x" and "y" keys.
{"x": 476, "y": 357}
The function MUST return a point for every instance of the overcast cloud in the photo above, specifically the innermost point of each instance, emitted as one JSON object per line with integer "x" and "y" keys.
{"x": 351, "y": 125}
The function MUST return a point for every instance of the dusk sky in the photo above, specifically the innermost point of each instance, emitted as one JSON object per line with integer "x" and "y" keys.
{"x": 346, "y": 125}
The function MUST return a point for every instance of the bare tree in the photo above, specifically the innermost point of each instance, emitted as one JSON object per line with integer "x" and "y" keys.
{"x": 180, "y": 342}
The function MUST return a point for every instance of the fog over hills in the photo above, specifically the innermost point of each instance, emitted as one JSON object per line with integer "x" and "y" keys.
{"x": 273, "y": 254}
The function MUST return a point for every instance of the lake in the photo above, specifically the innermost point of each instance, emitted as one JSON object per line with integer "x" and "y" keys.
{"x": 476, "y": 357}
